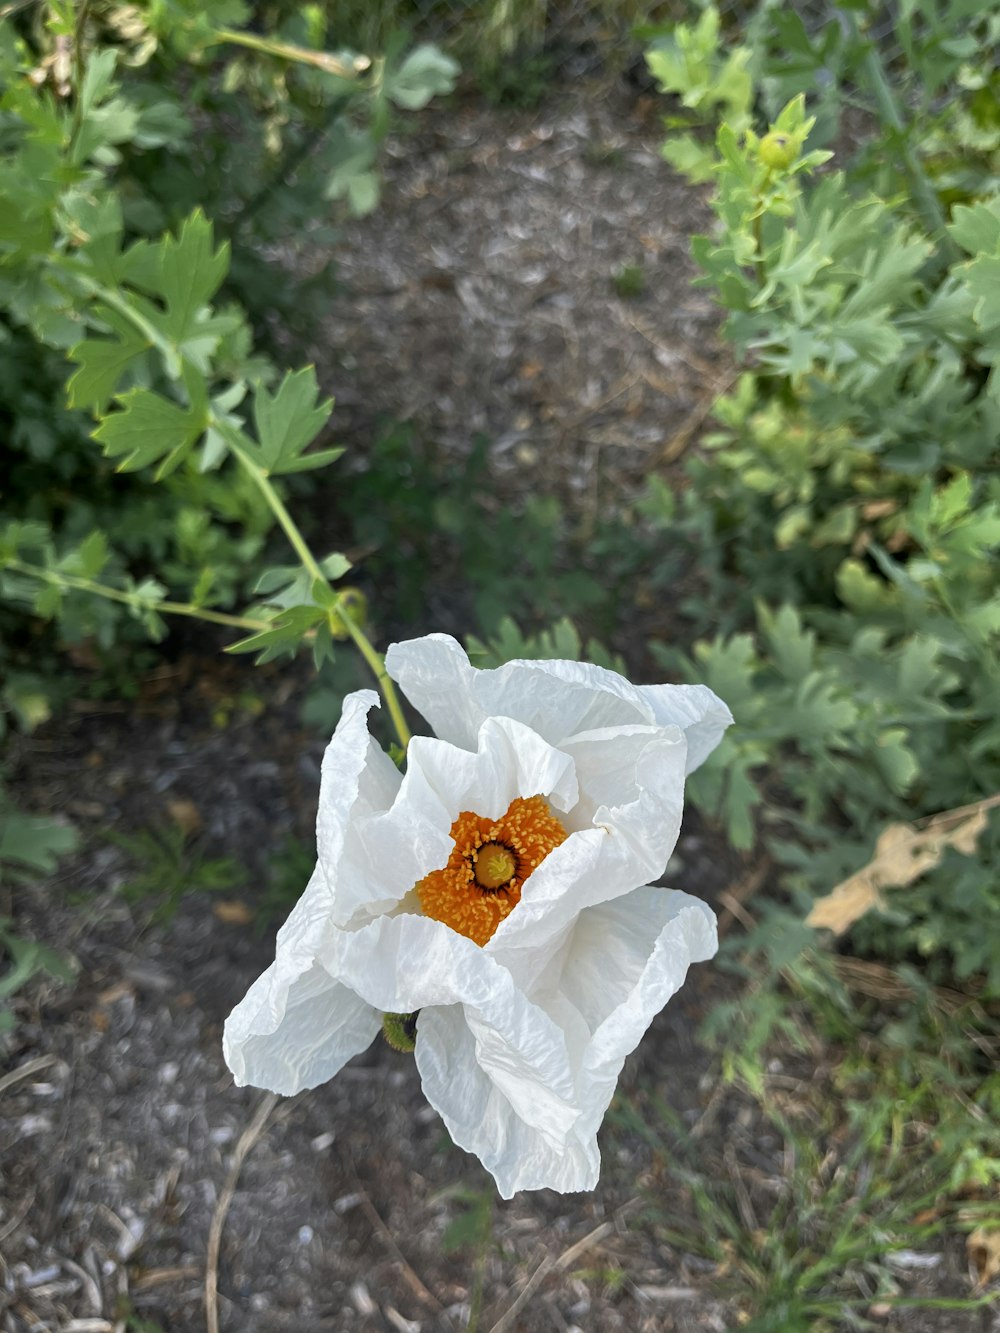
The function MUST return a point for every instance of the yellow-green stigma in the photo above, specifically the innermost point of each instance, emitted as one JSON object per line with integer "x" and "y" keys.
{"x": 495, "y": 865}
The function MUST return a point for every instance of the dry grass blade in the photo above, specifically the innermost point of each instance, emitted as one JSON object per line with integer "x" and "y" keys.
{"x": 419, "y": 1288}
{"x": 903, "y": 853}
{"x": 13, "y": 1222}
{"x": 880, "y": 982}
{"x": 156, "y": 1277}
{"x": 735, "y": 897}
{"x": 247, "y": 1139}
{"x": 550, "y": 1265}
{"x": 506, "y": 1320}
{"x": 26, "y": 1070}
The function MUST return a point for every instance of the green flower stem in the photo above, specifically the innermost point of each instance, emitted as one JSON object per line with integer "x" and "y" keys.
{"x": 344, "y": 68}
{"x": 377, "y": 663}
{"x": 73, "y": 581}
{"x": 262, "y": 481}
{"x": 79, "y": 72}
{"x": 759, "y": 268}
{"x": 337, "y": 620}
{"x": 236, "y": 441}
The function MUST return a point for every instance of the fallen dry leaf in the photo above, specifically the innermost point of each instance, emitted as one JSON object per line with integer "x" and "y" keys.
{"x": 233, "y": 912}
{"x": 902, "y": 854}
{"x": 185, "y": 815}
{"x": 879, "y": 508}
{"x": 983, "y": 1247}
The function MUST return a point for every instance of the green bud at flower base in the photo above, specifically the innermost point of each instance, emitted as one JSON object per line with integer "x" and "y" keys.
{"x": 777, "y": 150}
{"x": 400, "y": 1031}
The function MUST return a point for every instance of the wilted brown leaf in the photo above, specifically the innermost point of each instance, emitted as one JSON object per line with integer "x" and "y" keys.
{"x": 983, "y": 1247}
{"x": 233, "y": 912}
{"x": 185, "y": 815}
{"x": 902, "y": 854}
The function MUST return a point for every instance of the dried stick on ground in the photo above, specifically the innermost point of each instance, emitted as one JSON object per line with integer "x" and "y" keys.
{"x": 247, "y": 1139}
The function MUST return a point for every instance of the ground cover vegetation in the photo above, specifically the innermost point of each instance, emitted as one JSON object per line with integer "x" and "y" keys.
{"x": 834, "y": 536}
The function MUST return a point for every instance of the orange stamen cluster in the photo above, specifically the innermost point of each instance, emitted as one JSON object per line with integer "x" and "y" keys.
{"x": 481, "y": 884}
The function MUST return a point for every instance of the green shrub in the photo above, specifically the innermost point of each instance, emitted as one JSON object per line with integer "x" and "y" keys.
{"x": 849, "y": 500}
{"x": 120, "y": 129}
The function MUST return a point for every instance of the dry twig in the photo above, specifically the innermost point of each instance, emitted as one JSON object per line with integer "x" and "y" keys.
{"x": 506, "y": 1320}
{"x": 735, "y": 897}
{"x": 247, "y": 1139}
{"x": 592, "y": 1238}
{"x": 419, "y": 1289}
{"x": 550, "y": 1265}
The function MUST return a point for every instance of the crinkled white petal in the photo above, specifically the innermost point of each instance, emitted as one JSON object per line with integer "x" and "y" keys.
{"x": 621, "y": 965}
{"x": 510, "y": 760}
{"x": 297, "y": 1026}
{"x": 357, "y": 780}
{"x": 696, "y": 709}
{"x": 626, "y": 845}
{"x": 554, "y": 698}
{"x": 405, "y": 963}
{"x": 481, "y": 1119}
{"x": 624, "y": 961}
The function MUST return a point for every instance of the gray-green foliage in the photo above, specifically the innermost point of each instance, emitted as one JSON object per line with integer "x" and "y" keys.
{"x": 124, "y": 131}
{"x": 849, "y": 500}
{"x": 562, "y": 640}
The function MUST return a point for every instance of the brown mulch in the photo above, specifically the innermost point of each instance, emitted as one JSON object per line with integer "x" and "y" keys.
{"x": 120, "y": 1127}
{"x": 481, "y": 298}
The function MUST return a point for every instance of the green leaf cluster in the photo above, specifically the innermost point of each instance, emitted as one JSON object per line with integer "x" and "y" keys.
{"x": 124, "y": 234}
{"x": 845, "y": 509}
{"x": 709, "y": 79}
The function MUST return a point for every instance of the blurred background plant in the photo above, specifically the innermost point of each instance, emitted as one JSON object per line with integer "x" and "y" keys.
{"x": 849, "y": 495}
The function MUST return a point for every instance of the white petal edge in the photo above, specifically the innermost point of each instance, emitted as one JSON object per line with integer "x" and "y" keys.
{"x": 555, "y": 698}
{"x": 291, "y": 1033}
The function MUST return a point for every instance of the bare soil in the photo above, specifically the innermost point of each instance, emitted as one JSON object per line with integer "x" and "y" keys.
{"x": 134, "y": 1178}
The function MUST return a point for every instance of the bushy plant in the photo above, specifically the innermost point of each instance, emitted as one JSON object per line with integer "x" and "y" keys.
{"x": 124, "y": 130}
{"x": 849, "y": 496}
{"x": 120, "y": 127}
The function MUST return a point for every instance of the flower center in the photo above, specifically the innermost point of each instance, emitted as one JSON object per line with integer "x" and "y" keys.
{"x": 491, "y": 859}
{"x": 494, "y": 865}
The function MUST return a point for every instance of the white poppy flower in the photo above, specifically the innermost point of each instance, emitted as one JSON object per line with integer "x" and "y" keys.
{"x": 499, "y": 890}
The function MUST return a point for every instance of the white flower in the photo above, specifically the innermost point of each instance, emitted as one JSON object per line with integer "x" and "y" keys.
{"x": 533, "y": 822}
